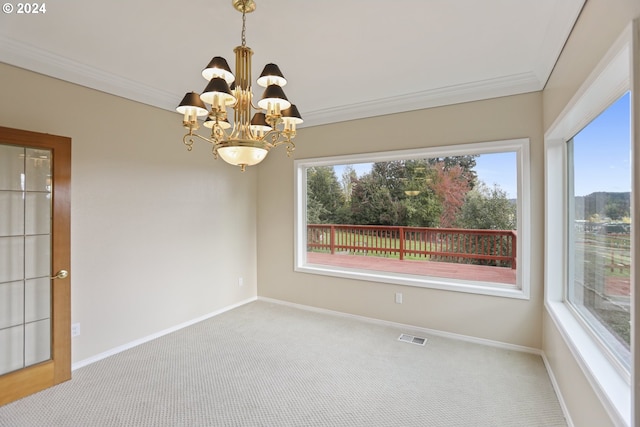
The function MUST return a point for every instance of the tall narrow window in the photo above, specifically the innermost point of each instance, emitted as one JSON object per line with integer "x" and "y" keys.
{"x": 599, "y": 200}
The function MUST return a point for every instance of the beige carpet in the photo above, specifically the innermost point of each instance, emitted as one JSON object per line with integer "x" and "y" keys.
{"x": 270, "y": 365}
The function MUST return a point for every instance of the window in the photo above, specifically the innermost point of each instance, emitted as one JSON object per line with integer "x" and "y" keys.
{"x": 449, "y": 217}
{"x": 599, "y": 227}
{"x": 587, "y": 184}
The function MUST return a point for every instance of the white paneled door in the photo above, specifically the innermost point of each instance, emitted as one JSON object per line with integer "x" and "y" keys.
{"x": 34, "y": 262}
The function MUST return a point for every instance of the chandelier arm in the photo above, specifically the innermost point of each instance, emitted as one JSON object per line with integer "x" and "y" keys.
{"x": 280, "y": 137}
{"x": 190, "y": 141}
{"x": 291, "y": 146}
{"x": 274, "y": 134}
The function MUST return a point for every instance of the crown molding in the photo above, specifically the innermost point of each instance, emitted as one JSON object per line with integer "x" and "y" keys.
{"x": 44, "y": 62}
{"x": 556, "y": 34}
{"x": 483, "y": 89}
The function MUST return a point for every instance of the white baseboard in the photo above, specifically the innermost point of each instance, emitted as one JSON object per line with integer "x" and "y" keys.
{"x": 556, "y": 388}
{"x": 435, "y": 332}
{"x": 143, "y": 340}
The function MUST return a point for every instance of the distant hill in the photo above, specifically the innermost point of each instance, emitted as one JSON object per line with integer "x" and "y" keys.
{"x": 606, "y": 204}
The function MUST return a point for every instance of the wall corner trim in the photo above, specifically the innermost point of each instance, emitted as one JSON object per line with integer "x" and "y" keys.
{"x": 556, "y": 388}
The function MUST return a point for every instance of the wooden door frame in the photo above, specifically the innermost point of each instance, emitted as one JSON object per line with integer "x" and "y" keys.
{"x": 24, "y": 382}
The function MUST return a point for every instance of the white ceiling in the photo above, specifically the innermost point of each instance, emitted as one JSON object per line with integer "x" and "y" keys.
{"x": 344, "y": 59}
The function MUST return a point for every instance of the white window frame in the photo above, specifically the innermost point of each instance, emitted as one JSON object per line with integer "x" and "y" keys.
{"x": 607, "y": 83}
{"x": 521, "y": 290}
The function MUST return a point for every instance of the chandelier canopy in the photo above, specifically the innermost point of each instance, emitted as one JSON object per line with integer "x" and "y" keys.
{"x": 248, "y": 140}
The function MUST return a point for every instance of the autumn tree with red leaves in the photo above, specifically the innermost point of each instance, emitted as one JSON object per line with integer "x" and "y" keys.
{"x": 450, "y": 185}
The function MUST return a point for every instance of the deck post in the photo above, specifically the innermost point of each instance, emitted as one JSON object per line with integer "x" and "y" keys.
{"x": 332, "y": 240}
{"x": 514, "y": 248}
{"x": 401, "y": 238}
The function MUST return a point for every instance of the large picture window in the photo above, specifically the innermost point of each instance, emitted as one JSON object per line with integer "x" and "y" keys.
{"x": 449, "y": 218}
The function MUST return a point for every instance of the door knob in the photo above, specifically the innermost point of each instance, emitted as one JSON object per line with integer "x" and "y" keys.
{"x": 62, "y": 274}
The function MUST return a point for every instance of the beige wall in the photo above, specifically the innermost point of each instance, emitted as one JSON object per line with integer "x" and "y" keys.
{"x": 599, "y": 25}
{"x": 506, "y": 320}
{"x": 159, "y": 235}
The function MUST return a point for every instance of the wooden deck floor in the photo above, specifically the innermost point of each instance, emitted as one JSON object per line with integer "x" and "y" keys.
{"x": 449, "y": 270}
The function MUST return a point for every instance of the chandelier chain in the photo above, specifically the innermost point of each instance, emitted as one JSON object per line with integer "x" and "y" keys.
{"x": 244, "y": 27}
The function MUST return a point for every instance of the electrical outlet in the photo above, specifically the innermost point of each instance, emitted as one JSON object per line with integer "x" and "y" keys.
{"x": 240, "y": 281}
{"x": 398, "y": 298}
{"x": 75, "y": 329}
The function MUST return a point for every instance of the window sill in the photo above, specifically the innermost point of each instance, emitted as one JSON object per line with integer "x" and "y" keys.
{"x": 611, "y": 386}
{"x": 482, "y": 288}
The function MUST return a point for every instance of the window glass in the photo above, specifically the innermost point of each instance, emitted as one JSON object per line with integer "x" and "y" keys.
{"x": 427, "y": 215}
{"x": 599, "y": 175}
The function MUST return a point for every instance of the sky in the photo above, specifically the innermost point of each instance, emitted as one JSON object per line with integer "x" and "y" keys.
{"x": 499, "y": 169}
{"x": 602, "y": 151}
{"x": 601, "y": 157}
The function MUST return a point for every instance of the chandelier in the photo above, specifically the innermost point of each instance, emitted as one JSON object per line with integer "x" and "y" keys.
{"x": 248, "y": 141}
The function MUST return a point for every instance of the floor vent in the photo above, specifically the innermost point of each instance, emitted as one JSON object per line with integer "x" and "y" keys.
{"x": 413, "y": 340}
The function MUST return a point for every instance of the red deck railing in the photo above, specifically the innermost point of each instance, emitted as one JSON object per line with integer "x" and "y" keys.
{"x": 441, "y": 244}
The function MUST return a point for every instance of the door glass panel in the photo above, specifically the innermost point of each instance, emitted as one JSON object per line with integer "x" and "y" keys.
{"x": 11, "y": 259}
{"x": 12, "y": 217}
{"x": 38, "y": 170}
{"x": 37, "y": 336}
{"x": 11, "y": 167}
{"x": 37, "y": 216}
{"x": 25, "y": 257}
{"x": 12, "y": 348}
{"x": 37, "y": 299}
{"x": 11, "y": 304}
{"x": 37, "y": 264}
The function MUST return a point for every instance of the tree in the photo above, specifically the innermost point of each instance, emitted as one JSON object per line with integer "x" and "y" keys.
{"x": 324, "y": 190}
{"x": 372, "y": 204}
{"x": 422, "y": 210}
{"x": 466, "y": 163}
{"x": 423, "y": 207}
{"x": 349, "y": 176}
{"x": 616, "y": 210}
{"x": 315, "y": 211}
{"x": 450, "y": 185}
{"x": 391, "y": 175}
{"x": 487, "y": 209}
